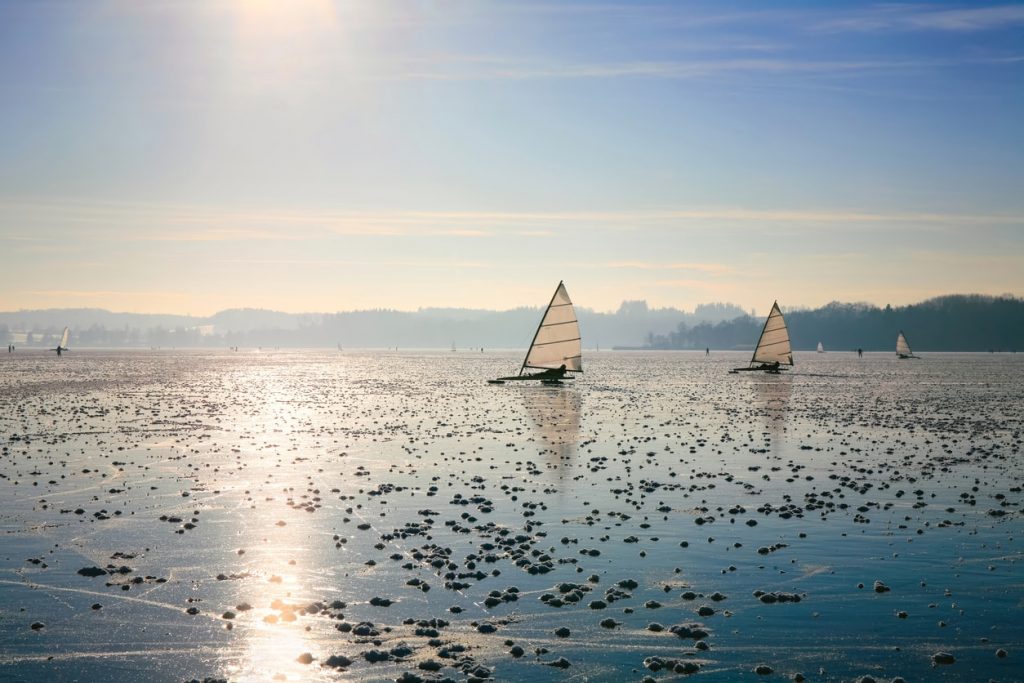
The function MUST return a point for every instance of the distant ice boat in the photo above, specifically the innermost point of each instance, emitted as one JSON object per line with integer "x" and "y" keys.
{"x": 556, "y": 348}
{"x": 821, "y": 349}
{"x": 63, "y": 345}
{"x": 773, "y": 348}
{"x": 903, "y": 347}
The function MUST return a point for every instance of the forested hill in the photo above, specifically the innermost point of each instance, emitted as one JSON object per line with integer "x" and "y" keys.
{"x": 424, "y": 328}
{"x": 951, "y": 323}
{"x": 948, "y": 323}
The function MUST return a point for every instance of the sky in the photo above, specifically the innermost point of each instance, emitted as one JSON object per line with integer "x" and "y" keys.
{"x": 311, "y": 155}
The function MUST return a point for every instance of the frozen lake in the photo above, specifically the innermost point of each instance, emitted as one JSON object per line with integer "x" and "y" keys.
{"x": 248, "y": 516}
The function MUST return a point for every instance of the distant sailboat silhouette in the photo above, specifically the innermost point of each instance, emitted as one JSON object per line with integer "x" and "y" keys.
{"x": 821, "y": 349}
{"x": 63, "y": 345}
{"x": 556, "y": 348}
{"x": 903, "y": 347}
{"x": 773, "y": 348}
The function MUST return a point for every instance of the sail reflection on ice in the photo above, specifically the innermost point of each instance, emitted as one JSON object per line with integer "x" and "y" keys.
{"x": 771, "y": 400}
{"x": 555, "y": 414}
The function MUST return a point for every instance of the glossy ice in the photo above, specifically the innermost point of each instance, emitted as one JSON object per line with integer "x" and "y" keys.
{"x": 266, "y": 508}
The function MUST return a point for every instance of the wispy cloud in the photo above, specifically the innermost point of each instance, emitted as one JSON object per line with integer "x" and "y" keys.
{"x": 131, "y": 222}
{"x": 992, "y": 260}
{"x": 212, "y": 235}
{"x": 400, "y": 222}
{"x": 99, "y": 293}
{"x": 386, "y": 228}
{"x": 693, "y": 283}
{"x": 910, "y": 18}
{"x": 883, "y": 15}
{"x": 25, "y": 238}
{"x": 710, "y": 268}
{"x": 554, "y": 69}
{"x": 427, "y": 264}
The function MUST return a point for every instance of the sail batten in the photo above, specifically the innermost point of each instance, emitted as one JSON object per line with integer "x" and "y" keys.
{"x": 774, "y": 345}
{"x": 557, "y": 340}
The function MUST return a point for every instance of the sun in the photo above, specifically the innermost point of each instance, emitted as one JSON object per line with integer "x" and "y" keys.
{"x": 275, "y": 44}
{"x": 280, "y": 18}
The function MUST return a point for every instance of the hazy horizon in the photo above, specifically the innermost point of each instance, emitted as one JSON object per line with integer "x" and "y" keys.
{"x": 539, "y": 305}
{"x": 953, "y": 323}
{"x": 324, "y": 156}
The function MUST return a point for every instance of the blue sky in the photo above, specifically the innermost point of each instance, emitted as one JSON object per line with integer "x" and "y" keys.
{"x": 318, "y": 156}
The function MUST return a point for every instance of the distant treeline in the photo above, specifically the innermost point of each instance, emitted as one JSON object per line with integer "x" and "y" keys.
{"x": 948, "y": 323}
{"x": 951, "y": 323}
{"x": 425, "y": 328}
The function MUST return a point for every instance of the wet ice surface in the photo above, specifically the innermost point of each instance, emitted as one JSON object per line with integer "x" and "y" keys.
{"x": 249, "y": 516}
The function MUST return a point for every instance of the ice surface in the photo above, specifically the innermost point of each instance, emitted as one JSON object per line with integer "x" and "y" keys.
{"x": 271, "y": 485}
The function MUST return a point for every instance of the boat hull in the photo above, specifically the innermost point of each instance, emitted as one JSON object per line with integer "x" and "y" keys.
{"x": 530, "y": 378}
{"x": 768, "y": 371}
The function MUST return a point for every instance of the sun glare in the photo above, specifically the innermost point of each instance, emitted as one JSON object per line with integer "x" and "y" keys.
{"x": 269, "y": 18}
{"x": 277, "y": 46}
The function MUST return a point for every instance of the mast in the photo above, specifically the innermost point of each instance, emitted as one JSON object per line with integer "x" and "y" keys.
{"x": 539, "y": 325}
{"x": 779, "y": 334}
{"x": 557, "y": 339}
{"x": 763, "y": 328}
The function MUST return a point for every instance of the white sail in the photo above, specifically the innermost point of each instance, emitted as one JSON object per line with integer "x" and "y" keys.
{"x": 64, "y": 338}
{"x": 773, "y": 346}
{"x": 821, "y": 349}
{"x": 902, "y": 347}
{"x": 557, "y": 341}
